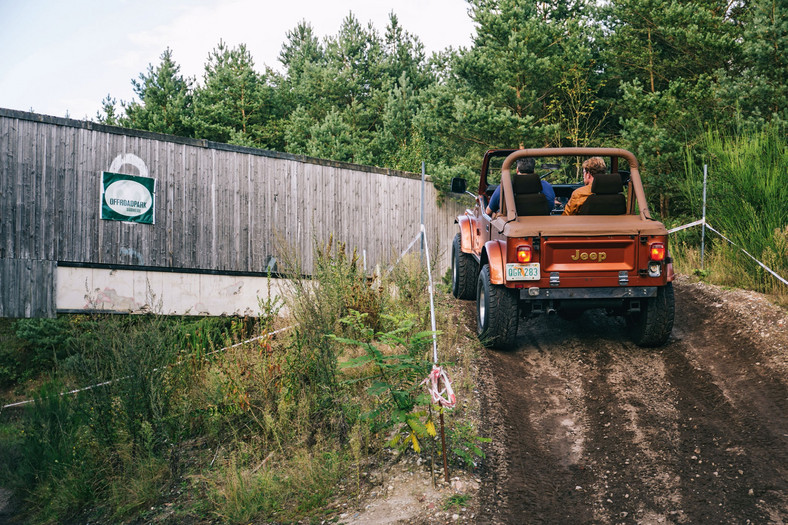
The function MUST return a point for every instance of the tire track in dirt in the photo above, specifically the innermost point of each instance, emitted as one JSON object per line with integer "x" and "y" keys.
{"x": 589, "y": 428}
{"x": 536, "y": 478}
{"x": 741, "y": 416}
{"x": 634, "y": 432}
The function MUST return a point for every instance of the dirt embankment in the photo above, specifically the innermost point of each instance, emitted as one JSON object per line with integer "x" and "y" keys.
{"x": 590, "y": 428}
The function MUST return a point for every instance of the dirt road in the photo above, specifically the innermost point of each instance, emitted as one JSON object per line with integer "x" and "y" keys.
{"x": 589, "y": 428}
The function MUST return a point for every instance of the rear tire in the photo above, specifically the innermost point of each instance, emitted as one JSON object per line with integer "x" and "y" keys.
{"x": 464, "y": 270}
{"x": 496, "y": 313}
{"x": 653, "y": 324}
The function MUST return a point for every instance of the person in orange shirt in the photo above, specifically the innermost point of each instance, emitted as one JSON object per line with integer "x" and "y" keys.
{"x": 591, "y": 167}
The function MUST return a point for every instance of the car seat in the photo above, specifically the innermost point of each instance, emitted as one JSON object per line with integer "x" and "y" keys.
{"x": 528, "y": 196}
{"x": 606, "y": 197}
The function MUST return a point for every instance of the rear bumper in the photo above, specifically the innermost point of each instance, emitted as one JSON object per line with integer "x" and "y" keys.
{"x": 569, "y": 294}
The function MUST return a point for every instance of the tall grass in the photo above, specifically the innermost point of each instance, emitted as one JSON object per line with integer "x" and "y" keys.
{"x": 109, "y": 447}
{"x": 263, "y": 431}
{"x": 747, "y": 201}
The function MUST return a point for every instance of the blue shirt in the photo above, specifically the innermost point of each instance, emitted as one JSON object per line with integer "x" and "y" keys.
{"x": 547, "y": 190}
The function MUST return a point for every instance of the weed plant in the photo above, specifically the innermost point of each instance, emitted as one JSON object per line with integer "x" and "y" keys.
{"x": 392, "y": 378}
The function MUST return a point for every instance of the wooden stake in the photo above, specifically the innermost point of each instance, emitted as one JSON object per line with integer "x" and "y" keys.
{"x": 443, "y": 445}
{"x": 432, "y": 455}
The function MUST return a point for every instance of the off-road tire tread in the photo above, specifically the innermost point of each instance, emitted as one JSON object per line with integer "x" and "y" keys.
{"x": 502, "y": 314}
{"x": 467, "y": 270}
{"x": 652, "y": 327}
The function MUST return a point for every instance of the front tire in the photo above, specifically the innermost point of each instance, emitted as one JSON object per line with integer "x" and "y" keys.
{"x": 496, "y": 313}
{"x": 464, "y": 269}
{"x": 653, "y": 324}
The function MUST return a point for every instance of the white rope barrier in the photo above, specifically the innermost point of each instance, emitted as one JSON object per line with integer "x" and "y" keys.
{"x": 780, "y": 278}
{"x": 707, "y": 225}
{"x": 437, "y": 382}
{"x": 439, "y": 388}
{"x": 684, "y": 227}
{"x": 432, "y": 300}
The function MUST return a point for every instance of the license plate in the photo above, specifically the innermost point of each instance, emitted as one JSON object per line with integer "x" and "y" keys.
{"x": 522, "y": 272}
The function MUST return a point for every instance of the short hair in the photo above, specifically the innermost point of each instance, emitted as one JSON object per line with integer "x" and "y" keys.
{"x": 526, "y": 165}
{"x": 595, "y": 166}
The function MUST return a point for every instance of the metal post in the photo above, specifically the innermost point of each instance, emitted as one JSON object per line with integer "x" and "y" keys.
{"x": 703, "y": 225}
{"x": 423, "y": 183}
{"x": 432, "y": 298}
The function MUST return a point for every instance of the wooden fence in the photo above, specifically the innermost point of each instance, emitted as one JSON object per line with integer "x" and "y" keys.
{"x": 219, "y": 208}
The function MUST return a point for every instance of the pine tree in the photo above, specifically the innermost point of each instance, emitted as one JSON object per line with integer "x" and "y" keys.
{"x": 511, "y": 78}
{"x": 662, "y": 59}
{"x": 344, "y": 86}
{"x": 755, "y": 90}
{"x": 235, "y": 103}
{"x": 108, "y": 114}
{"x": 403, "y": 54}
{"x": 165, "y": 99}
{"x": 301, "y": 50}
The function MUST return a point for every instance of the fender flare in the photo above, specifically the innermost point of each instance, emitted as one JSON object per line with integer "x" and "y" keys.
{"x": 495, "y": 255}
{"x": 670, "y": 276}
{"x": 466, "y": 233}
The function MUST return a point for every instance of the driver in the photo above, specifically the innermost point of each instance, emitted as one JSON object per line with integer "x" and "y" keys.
{"x": 524, "y": 165}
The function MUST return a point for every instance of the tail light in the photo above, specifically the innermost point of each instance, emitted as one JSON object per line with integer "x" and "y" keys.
{"x": 656, "y": 251}
{"x": 523, "y": 254}
{"x": 656, "y": 254}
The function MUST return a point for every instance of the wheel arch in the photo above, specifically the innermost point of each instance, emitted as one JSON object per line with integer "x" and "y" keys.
{"x": 494, "y": 254}
{"x": 466, "y": 233}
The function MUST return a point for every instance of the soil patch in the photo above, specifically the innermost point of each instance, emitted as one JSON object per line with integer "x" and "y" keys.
{"x": 589, "y": 428}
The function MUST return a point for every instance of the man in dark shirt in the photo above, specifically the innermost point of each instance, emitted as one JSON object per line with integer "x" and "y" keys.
{"x": 524, "y": 165}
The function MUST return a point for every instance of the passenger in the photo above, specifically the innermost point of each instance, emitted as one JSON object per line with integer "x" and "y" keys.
{"x": 591, "y": 167}
{"x": 524, "y": 165}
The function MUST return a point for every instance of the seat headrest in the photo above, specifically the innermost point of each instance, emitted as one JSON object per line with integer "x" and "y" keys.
{"x": 607, "y": 184}
{"x": 526, "y": 183}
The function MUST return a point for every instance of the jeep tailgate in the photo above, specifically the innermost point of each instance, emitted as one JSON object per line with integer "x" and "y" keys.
{"x": 561, "y": 254}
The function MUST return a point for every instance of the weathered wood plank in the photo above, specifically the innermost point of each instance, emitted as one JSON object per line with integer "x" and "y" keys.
{"x": 27, "y": 288}
{"x": 218, "y": 207}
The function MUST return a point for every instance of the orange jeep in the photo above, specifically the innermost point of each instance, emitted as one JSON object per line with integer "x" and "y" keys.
{"x": 529, "y": 259}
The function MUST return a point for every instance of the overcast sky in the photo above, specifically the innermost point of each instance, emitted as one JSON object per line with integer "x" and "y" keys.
{"x": 61, "y": 57}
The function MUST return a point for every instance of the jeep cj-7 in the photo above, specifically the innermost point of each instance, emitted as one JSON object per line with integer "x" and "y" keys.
{"x": 529, "y": 259}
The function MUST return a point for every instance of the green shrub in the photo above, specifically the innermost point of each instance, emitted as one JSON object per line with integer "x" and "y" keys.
{"x": 465, "y": 445}
{"x": 109, "y": 442}
{"x": 393, "y": 379}
{"x": 29, "y": 347}
{"x": 317, "y": 305}
{"x": 58, "y": 471}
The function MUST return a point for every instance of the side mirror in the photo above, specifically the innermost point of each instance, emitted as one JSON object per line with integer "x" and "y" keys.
{"x": 458, "y": 185}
